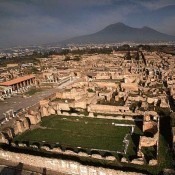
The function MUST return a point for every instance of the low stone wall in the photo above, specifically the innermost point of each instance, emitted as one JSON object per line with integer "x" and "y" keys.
{"x": 106, "y": 84}
{"x": 108, "y": 109}
{"x": 130, "y": 86}
{"x": 58, "y": 165}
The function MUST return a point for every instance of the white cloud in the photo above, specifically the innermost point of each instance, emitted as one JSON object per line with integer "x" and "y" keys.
{"x": 155, "y": 4}
{"x": 29, "y": 21}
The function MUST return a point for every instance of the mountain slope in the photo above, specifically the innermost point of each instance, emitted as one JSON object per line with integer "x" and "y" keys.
{"x": 120, "y": 32}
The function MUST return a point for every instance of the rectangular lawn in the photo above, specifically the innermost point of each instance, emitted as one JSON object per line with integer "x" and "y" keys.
{"x": 79, "y": 132}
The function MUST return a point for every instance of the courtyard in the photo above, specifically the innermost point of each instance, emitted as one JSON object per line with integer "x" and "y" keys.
{"x": 84, "y": 132}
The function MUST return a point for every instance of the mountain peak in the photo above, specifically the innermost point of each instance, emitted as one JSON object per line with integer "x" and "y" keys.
{"x": 116, "y": 26}
{"x": 119, "y": 32}
{"x": 119, "y": 24}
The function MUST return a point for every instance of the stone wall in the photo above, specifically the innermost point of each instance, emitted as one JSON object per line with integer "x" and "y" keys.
{"x": 136, "y": 98}
{"x": 130, "y": 86}
{"x": 106, "y": 84}
{"x": 72, "y": 94}
{"x": 58, "y": 165}
{"x": 107, "y": 109}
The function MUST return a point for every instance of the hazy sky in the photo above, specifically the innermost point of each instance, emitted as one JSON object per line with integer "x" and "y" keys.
{"x": 24, "y": 22}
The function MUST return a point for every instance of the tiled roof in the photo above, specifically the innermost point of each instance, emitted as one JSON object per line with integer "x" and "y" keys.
{"x": 17, "y": 80}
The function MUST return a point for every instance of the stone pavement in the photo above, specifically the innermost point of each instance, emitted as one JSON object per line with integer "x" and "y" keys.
{"x": 18, "y": 102}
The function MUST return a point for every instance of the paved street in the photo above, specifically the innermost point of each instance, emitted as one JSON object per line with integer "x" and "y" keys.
{"x": 18, "y": 102}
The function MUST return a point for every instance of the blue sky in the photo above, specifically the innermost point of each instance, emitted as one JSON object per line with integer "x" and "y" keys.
{"x": 24, "y": 22}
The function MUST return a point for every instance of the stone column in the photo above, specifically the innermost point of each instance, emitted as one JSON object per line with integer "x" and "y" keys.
{"x": 5, "y": 116}
{"x": 5, "y": 93}
{"x": 30, "y": 80}
{"x": 13, "y": 115}
{"x": 17, "y": 86}
{"x": 28, "y": 83}
{"x": 13, "y": 87}
{"x": 11, "y": 91}
{"x": 8, "y": 92}
{"x": 9, "y": 115}
{"x": 21, "y": 84}
{"x": 33, "y": 80}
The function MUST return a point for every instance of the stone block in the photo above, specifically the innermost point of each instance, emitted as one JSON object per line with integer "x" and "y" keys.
{"x": 19, "y": 127}
{"x": 138, "y": 161}
{"x": 9, "y": 132}
{"x": 74, "y": 168}
{"x": 59, "y": 112}
{"x": 97, "y": 156}
{"x": 124, "y": 160}
{"x": 3, "y": 139}
{"x": 66, "y": 113}
{"x": 150, "y": 127}
{"x": 51, "y": 110}
{"x": 44, "y": 111}
{"x": 153, "y": 162}
{"x": 112, "y": 158}
{"x": 83, "y": 170}
{"x": 92, "y": 171}
{"x": 26, "y": 124}
{"x": 150, "y": 100}
{"x": 33, "y": 119}
{"x": 83, "y": 154}
{"x": 44, "y": 103}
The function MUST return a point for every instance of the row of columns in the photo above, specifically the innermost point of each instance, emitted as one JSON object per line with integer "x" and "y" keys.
{"x": 23, "y": 84}
{"x": 8, "y": 115}
{"x": 7, "y": 92}
{"x": 59, "y": 81}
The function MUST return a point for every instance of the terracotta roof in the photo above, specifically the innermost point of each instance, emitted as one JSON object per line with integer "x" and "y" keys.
{"x": 17, "y": 80}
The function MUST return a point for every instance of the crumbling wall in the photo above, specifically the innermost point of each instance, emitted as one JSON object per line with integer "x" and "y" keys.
{"x": 108, "y": 109}
{"x": 59, "y": 165}
{"x": 130, "y": 86}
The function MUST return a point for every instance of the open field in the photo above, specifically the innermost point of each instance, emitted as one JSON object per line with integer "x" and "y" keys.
{"x": 80, "y": 132}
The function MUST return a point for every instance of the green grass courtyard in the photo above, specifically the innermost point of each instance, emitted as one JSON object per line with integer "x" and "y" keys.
{"x": 82, "y": 132}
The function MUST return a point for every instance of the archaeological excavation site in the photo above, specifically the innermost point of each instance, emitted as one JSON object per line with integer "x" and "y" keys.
{"x": 99, "y": 121}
